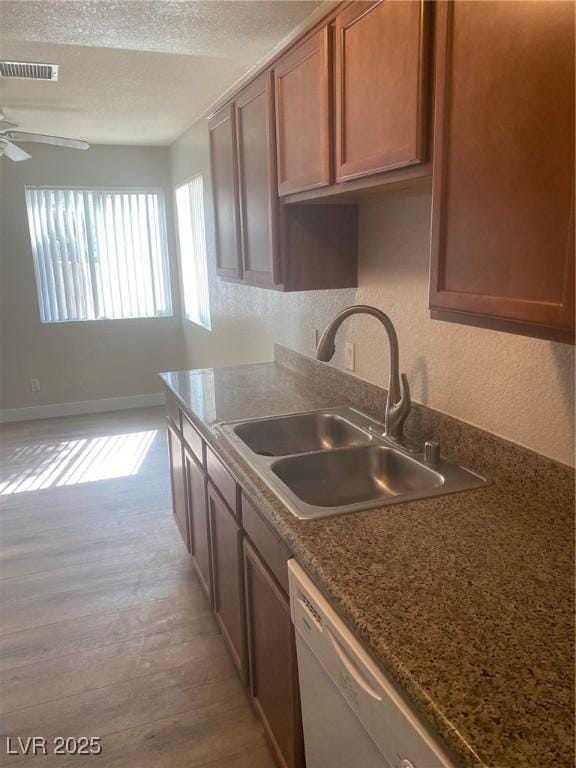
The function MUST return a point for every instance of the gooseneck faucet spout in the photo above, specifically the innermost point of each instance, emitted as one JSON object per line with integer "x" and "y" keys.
{"x": 398, "y": 402}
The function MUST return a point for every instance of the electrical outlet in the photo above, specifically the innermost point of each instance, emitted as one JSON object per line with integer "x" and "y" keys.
{"x": 349, "y": 356}
{"x": 35, "y": 384}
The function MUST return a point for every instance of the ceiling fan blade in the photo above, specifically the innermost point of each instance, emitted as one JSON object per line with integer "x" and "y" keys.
{"x": 41, "y": 138}
{"x": 6, "y": 125}
{"x": 12, "y": 151}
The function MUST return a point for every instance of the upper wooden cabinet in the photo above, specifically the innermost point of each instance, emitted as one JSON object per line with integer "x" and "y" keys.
{"x": 503, "y": 192}
{"x": 302, "y": 90}
{"x": 381, "y": 74}
{"x": 257, "y": 181}
{"x": 222, "y": 133}
{"x": 289, "y": 248}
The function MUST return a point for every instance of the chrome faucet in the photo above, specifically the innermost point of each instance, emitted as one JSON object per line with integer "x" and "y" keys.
{"x": 398, "y": 402}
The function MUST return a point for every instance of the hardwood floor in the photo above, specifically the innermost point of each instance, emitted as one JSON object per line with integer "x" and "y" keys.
{"x": 104, "y": 629}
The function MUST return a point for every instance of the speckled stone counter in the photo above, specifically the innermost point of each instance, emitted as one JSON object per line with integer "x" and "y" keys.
{"x": 466, "y": 601}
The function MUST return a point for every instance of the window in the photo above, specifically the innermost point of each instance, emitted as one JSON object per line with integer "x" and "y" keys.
{"x": 99, "y": 254}
{"x": 192, "y": 240}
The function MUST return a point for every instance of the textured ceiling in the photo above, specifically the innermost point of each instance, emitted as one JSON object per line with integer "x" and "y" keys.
{"x": 134, "y": 72}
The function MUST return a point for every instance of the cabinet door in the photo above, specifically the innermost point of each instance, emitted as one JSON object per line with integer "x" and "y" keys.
{"x": 503, "y": 205}
{"x": 257, "y": 176}
{"x": 228, "y": 585}
{"x": 272, "y": 661}
{"x": 198, "y": 521}
{"x": 178, "y": 482}
{"x": 222, "y": 132}
{"x": 302, "y": 97}
{"x": 381, "y": 94}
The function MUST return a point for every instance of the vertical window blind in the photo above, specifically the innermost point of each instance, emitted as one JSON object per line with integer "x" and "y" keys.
{"x": 192, "y": 245}
{"x": 99, "y": 254}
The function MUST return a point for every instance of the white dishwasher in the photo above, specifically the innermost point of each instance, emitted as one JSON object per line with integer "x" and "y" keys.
{"x": 352, "y": 715}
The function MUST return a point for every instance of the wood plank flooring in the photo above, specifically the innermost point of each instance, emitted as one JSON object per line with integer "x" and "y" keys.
{"x": 104, "y": 629}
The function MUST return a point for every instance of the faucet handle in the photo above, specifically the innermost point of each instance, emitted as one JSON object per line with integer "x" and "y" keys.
{"x": 404, "y": 404}
{"x": 397, "y": 413}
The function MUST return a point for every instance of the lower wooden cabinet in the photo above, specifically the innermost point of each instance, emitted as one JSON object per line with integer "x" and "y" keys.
{"x": 242, "y": 566}
{"x": 227, "y": 583}
{"x": 273, "y": 671}
{"x": 198, "y": 521}
{"x": 178, "y": 482}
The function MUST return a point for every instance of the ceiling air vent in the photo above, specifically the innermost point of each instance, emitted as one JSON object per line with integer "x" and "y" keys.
{"x": 28, "y": 70}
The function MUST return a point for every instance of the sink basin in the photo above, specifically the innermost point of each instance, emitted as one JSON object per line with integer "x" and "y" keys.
{"x": 354, "y": 476}
{"x": 301, "y": 433}
{"x": 335, "y": 460}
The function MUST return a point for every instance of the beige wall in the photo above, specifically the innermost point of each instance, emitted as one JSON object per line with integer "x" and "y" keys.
{"x": 519, "y": 388}
{"x": 86, "y": 360}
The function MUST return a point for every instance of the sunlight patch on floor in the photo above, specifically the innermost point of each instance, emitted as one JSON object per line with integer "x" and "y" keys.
{"x": 71, "y": 462}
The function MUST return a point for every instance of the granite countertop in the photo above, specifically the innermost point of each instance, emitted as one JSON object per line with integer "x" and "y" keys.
{"x": 466, "y": 601}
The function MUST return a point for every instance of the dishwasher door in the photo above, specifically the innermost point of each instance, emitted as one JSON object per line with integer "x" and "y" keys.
{"x": 333, "y": 736}
{"x": 352, "y": 715}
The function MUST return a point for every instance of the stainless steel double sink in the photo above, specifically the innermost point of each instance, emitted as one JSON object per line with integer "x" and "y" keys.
{"x": 333, "y": 461}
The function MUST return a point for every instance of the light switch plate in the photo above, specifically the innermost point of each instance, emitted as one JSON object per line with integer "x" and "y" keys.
{"x": 349, "y": 356}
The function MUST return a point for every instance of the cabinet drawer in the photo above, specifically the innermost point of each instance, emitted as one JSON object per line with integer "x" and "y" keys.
{"x": 222, "y": 480}
{"x": 193, "y": 440}
{"x": 273, "y": 551}
{"x": 173, "y": 412}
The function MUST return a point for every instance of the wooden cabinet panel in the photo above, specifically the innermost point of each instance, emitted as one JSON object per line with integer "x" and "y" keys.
{"x": 272, "y": 661}
{"x": 248, "y": 599}
{"x": 222, "y": 480}
{"x": 178, "y": 483}
{"x": 193, "y": 439}
{"x": 320, "y": 246}
{"x": 198, "y": 521}
{"x": 274, "y": 552}
{"x": 227, "y": 582}
{"x": 173, "y": 412}
{"x": 503, "y": 193}
{"x": 222, "y": 133}
{"x": 381, "y": 51}
{"x": 257, "y": 181}
{"x": 302, "y": 98}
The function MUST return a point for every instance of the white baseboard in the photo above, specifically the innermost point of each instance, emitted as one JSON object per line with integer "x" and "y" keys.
{"x": 81, "y": 407}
